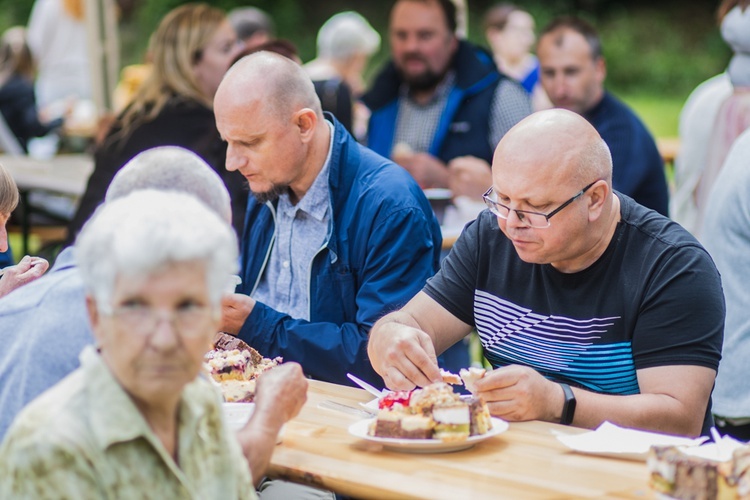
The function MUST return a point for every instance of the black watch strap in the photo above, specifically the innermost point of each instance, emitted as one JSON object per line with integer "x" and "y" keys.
{"x": 569, "y": 408}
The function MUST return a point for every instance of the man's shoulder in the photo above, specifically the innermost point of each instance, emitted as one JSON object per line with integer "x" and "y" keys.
{"x": 474, "y": 66}
{"x": 614, "y": 112}
{"x": 363, "y": 166}
{"x": 656, "y": 228}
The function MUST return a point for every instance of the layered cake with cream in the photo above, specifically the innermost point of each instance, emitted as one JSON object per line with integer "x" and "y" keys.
{"x": 235, "y": 366}
{"x": 433, "y": 412}
{"x": 238, "y": 391}
{"x": 677, "y": 473}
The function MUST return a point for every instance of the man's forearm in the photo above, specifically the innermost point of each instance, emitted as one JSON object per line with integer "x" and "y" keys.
{"x": 654, "y": 412}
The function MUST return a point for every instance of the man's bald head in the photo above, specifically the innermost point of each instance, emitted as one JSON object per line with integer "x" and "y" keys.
{"x": 272, "y": 79}
{"x": 557, "y": 144}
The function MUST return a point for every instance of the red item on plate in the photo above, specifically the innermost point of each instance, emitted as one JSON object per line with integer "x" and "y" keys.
{"x": 400, "y": 397}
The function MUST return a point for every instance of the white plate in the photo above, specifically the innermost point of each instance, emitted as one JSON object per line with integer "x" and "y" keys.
{"x": 359, "y": 429}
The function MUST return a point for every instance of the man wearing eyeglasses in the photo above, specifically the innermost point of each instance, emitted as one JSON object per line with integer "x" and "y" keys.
{"x": 590, "y": 307}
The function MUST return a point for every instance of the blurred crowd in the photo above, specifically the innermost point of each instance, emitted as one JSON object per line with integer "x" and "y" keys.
{"x": 333, "y": 189}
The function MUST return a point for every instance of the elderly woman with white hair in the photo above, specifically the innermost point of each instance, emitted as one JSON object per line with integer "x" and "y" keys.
{"x": 29, "y": 268}
{"x": 345, "y": 43}
{"x": 51, "y": 312}
{"x": 137, "y": 419}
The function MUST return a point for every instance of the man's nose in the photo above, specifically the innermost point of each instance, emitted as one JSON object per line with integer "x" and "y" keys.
{"x": 559, "y": 85}
{"x": 234, "y": 160}
{"x": 514, "y": 220}
{"x": 411, "y": 44}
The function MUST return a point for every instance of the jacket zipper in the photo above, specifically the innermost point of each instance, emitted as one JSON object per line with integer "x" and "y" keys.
{"x": 268, "y": 250}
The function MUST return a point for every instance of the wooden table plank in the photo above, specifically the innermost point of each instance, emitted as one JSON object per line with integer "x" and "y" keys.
{"x": 526, "y": 462}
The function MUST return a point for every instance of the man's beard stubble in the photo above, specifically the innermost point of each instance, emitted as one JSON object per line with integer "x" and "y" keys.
{"x": 270, "y": 195}
{"x": 426, "y": 80}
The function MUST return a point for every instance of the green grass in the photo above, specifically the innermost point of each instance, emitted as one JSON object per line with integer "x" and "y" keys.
{"x": 660, "y": 113}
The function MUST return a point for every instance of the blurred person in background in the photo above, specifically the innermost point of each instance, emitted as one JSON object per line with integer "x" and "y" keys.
{"x": 57, "y": 37}
{"x": 280, "y": 46}
{"x": 733, "y": 116}
{"x": 253, "y": 26}
{"x": 440, "y": 106}
{"x": 191, "y": 50}
{"x": 29, "y": 268}
{"x": 696, "y": 124}
{"x": 17, "y": 100}
{"x": 510, "y": 33}
{"x": 726, "y": 235}
{"x": 345, "y": 43}
{"x": 573, "y": 70}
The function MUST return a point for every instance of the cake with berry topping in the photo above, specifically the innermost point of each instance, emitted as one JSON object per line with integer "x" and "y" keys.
{"x": 235, "y": 366}
{"x": 433, "y": 412}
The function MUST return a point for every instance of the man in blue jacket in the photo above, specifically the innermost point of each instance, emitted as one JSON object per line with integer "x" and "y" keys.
{"x": 572, "y": 74}
{"x": 440, "y": 106}
{"x": 335, "y": 235}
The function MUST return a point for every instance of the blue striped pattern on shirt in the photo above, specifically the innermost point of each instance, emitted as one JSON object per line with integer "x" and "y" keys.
{"x": 556, "y": 346}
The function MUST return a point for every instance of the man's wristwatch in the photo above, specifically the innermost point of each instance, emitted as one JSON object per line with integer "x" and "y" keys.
{"x": 569, "y": 408}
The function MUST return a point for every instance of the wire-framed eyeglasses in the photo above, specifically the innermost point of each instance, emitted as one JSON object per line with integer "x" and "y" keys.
{"x": 190, "y": 319}
{"x": 528, "y": 218}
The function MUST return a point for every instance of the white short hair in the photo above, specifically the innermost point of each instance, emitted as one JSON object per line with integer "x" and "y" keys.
{"x": 147, "y": 230}
{"x": 347, "y": 34}
{"x": 172, "y": 168}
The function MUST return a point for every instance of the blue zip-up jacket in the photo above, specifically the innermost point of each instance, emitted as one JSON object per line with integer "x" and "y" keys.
{"x": 464, "y": 124}
{"x": 383, "y": 243}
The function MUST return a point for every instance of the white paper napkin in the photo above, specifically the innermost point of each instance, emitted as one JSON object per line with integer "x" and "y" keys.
{"x": 611, "y": 440}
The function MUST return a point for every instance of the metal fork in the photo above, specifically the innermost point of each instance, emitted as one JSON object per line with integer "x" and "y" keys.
{"x": 333, "y": 405}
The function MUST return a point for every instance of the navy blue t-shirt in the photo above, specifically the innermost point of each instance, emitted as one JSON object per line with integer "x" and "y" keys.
{"x": 653, "y": 298}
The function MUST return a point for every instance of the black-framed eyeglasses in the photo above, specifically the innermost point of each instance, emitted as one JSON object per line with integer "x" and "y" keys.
{"x": 529, "y": 219}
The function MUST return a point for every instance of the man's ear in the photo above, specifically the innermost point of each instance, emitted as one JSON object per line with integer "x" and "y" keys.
{"x": 306, "y": 120}
{"x": 601, "y": 70}
{"x": 597, "y": 196}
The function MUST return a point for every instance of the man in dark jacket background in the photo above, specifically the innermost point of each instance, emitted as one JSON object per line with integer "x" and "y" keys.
{"x": 335, "y": 235}
{"x": 572, "y": 73}
{"x": 440, "y": 106}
